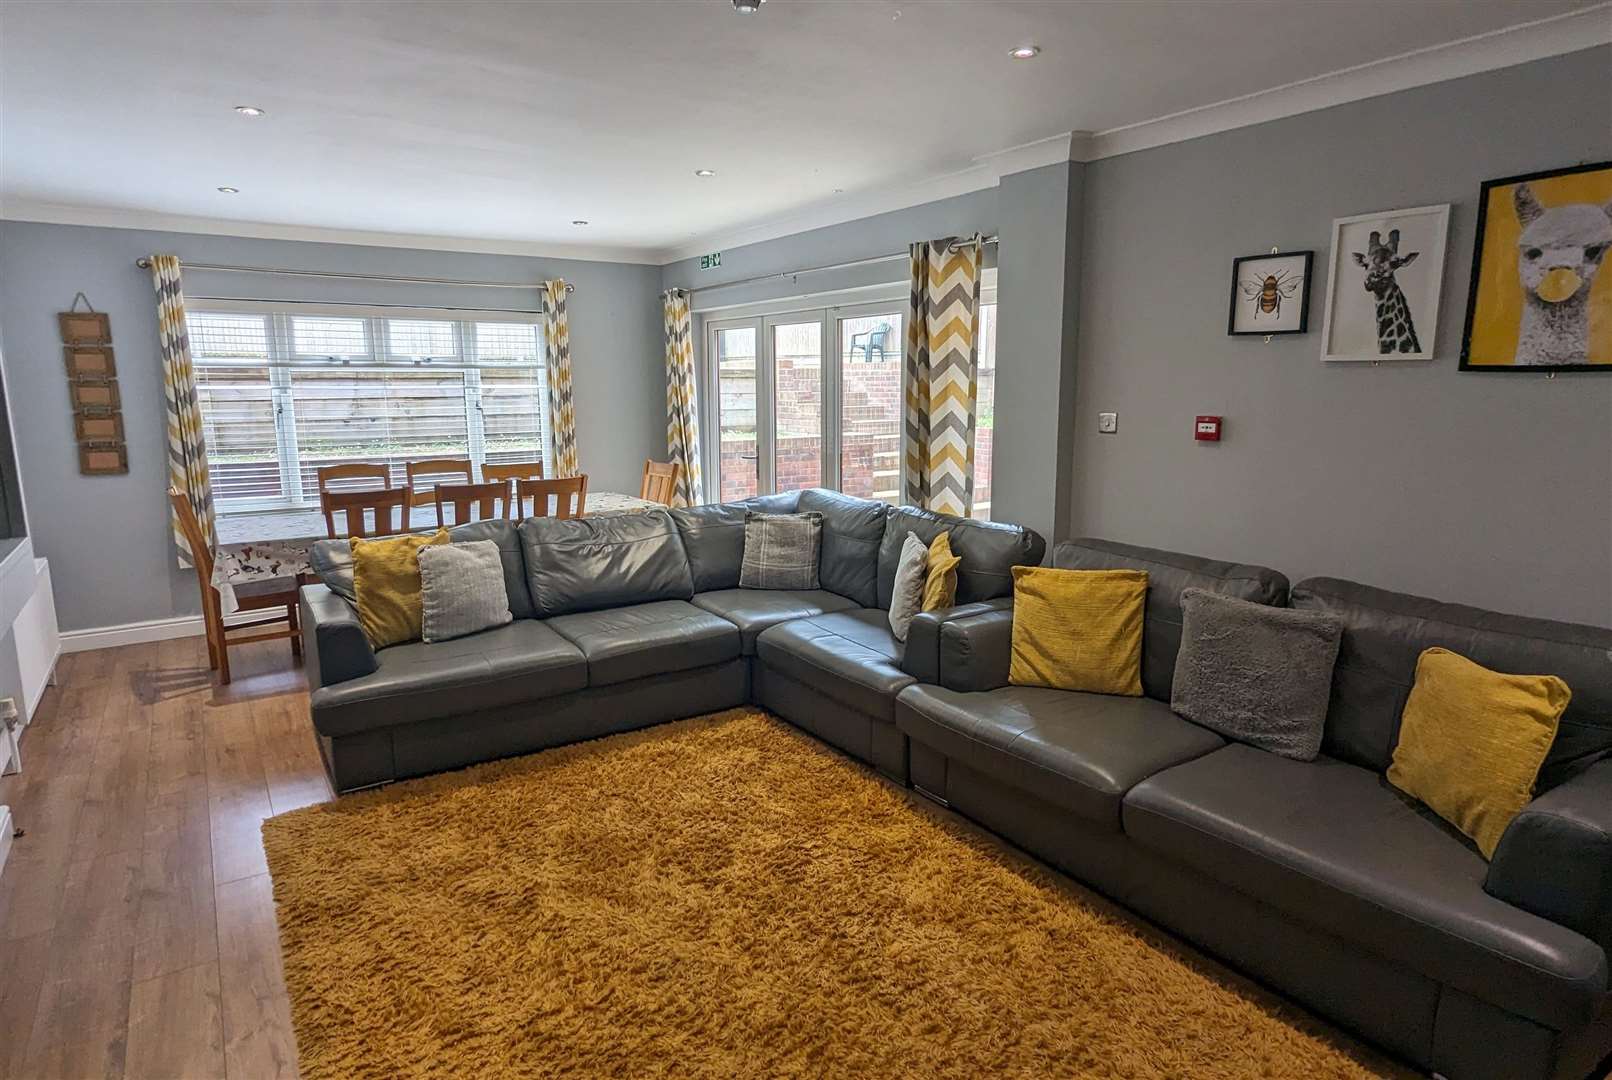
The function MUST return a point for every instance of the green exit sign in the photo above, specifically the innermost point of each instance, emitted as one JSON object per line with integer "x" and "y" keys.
{"x": 711, "y": 261}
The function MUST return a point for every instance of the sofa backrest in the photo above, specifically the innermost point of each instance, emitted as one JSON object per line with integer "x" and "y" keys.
{"x": 989, "y": 550}
{"x": 713, "y": 536}
{"x": 852, "y": 531}
{"x": 1384, "y": 633}
{"x": 333, "y": 561}
{"x": 1168, "y": 573}
{"x": 588, "y": 563}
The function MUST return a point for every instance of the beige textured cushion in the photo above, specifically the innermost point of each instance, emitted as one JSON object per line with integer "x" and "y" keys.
{"x": 461, "y": 590}
{"x": 911, "y": 574}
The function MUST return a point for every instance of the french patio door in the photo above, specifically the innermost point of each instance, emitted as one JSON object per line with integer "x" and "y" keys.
{"x": 806, "y": 399}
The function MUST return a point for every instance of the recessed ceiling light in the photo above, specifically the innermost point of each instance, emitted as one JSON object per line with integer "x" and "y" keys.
{"x": 230, "y": 190}
{"x": 578, "y": 221}
{"x": 747, "y": 7}
{"x": 1025, "y": 52}
{"x": 704, "y": 172}
{"x": 249, "y": 110}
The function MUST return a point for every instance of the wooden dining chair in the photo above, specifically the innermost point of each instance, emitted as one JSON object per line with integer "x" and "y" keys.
{"x": 472, "y": 502}
{"x": 415, "y": 471}
{"x": 563, "y": 490}
{"x": 660, "y": 481}
{"x": 359, "y": 470}
{"x": 514, "y": 470}
{"x": 389, "y": 508}
{"x": 276, "y": 596}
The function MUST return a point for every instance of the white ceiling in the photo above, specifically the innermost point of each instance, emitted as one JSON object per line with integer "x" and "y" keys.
{"x": 501, "y": 122}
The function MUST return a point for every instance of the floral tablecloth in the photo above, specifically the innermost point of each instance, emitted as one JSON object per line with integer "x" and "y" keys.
{"x": 259, "y": 547}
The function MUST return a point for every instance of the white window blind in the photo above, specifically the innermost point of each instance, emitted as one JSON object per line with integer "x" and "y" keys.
{"x": 286, "y": 392}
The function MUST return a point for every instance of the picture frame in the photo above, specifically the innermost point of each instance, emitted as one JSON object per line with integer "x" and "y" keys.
{"x": 1262, "y": 286}
{"x": 103, "y": 459}
{"x": 1547, "y": 312}
{"x": 89, "y": 427}
{"x": 89, "y": 361}
{"x": 1377, "y": 308}
{"x": 84, "y": 327}
{"x": 94, "y": 394}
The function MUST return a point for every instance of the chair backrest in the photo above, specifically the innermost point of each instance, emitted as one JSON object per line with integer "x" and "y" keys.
{"x": 202, "y": 555}
{"x": 417, "y": 471}
{"x": 563, "y": 490}
{"x": 389, "y": 507}
{"x": 515, "y": 470}
{"x": 473, "y": 502}
{"x": 660, "y": 481}
{"x": 358, "y": 470}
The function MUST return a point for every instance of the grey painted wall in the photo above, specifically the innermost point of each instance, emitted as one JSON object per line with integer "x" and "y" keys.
{"x": 107, "y": 538}
{"x": 1494, "y": 490}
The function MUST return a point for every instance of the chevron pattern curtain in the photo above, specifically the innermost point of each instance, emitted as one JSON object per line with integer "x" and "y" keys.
{"x": 187, "y": 447}
{"x": 941, "y": 373}
{"x": 682, "y": 417}
{"x": 562, "y": 408}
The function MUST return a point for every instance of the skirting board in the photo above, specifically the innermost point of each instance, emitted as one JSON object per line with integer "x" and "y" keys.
{"x": 137, "y": 633}
{"x": 5, "y": 835}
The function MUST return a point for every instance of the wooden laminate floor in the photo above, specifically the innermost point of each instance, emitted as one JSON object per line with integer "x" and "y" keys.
{"x": 137, "y": 932}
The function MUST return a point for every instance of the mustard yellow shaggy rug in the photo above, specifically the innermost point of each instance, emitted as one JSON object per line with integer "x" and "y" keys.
{"x": 725, "y": 897}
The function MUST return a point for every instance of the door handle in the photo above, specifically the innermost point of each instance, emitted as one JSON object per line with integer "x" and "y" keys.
{"x": 748, "y": 457}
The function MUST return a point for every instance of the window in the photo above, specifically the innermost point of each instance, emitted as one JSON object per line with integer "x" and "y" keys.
{"x": 792, "y": 414}
{"x": 283, "y": 393}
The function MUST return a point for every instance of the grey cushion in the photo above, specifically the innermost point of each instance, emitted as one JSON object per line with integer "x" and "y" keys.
{"x": 908, "y": 597}
{"x": 713, "y": 535}
{"x": 850, "y": 656}
{"x": 333, "y": 561}
{"x": 852, "y": 530}
{"x": 461, "y": 590}
{"x": 989, "y": 550}
{"x": 753, "y": 610}
{"x": 634, "y": 642}
{"x": 781, "y": 551}
{"x": 1168, "y": 573}
{"x": 584, "y": 564}
{"x": 1255, "y": 673}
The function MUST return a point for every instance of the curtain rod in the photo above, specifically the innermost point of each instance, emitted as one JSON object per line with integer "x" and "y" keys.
{"x": 815, "y": 269}
{"x": 145, "y": 264}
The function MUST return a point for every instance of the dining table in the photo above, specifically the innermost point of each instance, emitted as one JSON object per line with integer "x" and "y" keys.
{"x": 259, "y": 546}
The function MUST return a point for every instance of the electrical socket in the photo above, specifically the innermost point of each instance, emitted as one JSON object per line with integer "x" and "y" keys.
{"x": 1107, "y": 423}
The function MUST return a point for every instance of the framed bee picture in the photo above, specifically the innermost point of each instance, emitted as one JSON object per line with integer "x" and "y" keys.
{"x": 1270, "y": 294}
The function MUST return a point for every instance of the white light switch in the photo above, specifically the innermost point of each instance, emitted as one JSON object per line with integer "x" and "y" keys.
{"x": 1107, "y": 422}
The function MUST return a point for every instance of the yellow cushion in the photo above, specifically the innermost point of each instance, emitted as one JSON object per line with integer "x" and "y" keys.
{"x": 1078, "y": 629}
{"x": 386, "y": 582}
{"x": 940, "y": 586}
{"x": 1471, "y": 742}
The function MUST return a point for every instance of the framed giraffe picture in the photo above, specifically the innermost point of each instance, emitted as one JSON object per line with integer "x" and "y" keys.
{"x": 1540, "y": 300}
{"x": 1385, "y": 275}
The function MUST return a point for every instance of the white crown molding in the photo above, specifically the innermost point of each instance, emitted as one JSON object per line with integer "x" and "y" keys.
{"x": 116, "y": 218}
{"x": 1507, "y": 47}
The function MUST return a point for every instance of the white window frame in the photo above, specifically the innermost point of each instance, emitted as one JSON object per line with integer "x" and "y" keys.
{"x": 282, "y": 363}
{"x": 825, "y": 308}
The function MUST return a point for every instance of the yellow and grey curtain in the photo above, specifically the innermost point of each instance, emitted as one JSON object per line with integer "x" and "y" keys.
{"x": 187, "y": 447}
{"x": 682, "y": 419}
{"x": 562, "y": 409}
{"x": 941, "y": 374}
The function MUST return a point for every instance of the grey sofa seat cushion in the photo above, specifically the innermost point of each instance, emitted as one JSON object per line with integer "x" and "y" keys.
{"x": 647, "y": 639}
{"x": 989, "y": 550}
{"x": 590, "y": 563}
{"x": 1384, "y": 633}
{"x": 333, "y": 561}
{"x": 852, "y": 531}
{"x": 1081, "y": 752}
{"x": 1334, "y": 847}
{"x": 461, "y": 590}
{"x": 523, "y": 661}
{"x": 1168, "y": 574}
{"x": 1255, "y": 673}
{"x": 850, "y": 656}
{"x": 754, "y": 610}
{"x": 781, "y": 551}
{"x": 713, "y": 536}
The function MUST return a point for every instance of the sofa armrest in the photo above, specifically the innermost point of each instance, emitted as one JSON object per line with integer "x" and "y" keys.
{"x": 922, "y": 656}
{"x": 334, "y": 646}
{"x": 1555, "y": 858}
{"x": 975, "y": 649}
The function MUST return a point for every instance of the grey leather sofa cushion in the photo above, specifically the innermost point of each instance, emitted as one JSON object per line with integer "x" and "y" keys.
{"x": 1385, "y": 632}
{"x": 989, "y": 550}
{"x": 852, "y": 529}
{"x": 1334, "y": 846}
{"x": 523, "y": 661}
{"x": 1168, "y": 573}
{"x": 1081, "y": 752}
{"x": 333, "y": 561}
{"x": 647, "y": 639}
{"x": 713, "y": 536}
{"x": 850, "y": 656}
{"x": 589, "y": 563}
{"x": 753, "y": 610}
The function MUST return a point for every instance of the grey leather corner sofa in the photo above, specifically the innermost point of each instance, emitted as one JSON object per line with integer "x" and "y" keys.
{"x": 1318, "y": 878}
{"x": 623, "y": 621}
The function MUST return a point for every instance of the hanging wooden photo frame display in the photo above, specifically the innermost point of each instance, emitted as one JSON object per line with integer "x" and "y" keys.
{"x": 92, "y": 389}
